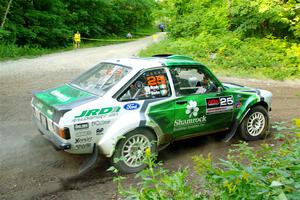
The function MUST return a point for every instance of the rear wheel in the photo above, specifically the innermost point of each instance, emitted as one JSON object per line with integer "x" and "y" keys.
{"x": 130, "y": 151}
{"x": 255, "y": 124}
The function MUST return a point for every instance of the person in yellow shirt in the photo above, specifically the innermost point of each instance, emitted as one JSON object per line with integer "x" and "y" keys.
{"x": 77, "y": 39}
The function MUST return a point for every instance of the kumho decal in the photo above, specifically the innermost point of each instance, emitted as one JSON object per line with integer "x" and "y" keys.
{"x": 193, "y": 121}
{"x": 97, "y": 113}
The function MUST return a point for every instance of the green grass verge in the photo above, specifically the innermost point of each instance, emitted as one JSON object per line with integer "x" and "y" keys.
{"x": 230, "y": 55}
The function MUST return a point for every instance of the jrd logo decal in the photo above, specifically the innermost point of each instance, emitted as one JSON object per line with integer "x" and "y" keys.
{"x": 97, "y": 114}
{"x": 219, "y": 104}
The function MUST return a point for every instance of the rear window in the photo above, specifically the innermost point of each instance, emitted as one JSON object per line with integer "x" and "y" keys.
{"x": 101, "y": 78}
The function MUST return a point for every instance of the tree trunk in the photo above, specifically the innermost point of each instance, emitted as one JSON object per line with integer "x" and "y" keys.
{"x": 229, "y": 3}
{"x": 5, "y": 14}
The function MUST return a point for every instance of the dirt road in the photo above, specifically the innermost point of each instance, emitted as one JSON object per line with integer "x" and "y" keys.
{"x": 31, "y": 169}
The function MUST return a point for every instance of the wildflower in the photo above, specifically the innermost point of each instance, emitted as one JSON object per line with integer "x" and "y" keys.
{"x": 225, "y": 183}
{"x": 230, "y": 186}
{"x": 148, "y": 152}
{"x": 297, "y": 122}
{"x": 245, "y": 176}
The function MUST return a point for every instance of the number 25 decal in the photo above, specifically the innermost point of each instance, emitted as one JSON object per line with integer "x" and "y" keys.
{"x": 226, "y": 101}
{"x": 155, "y": 80}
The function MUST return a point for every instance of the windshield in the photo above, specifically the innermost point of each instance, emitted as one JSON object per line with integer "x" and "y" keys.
{"x": 101, "y": 78}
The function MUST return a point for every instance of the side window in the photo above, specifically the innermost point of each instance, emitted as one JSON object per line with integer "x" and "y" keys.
{"x": 151, "y": 84}
{"x": 189, "y": 81}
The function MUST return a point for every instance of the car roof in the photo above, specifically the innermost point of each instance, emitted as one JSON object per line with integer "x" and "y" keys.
{"x": 155, "y": 61}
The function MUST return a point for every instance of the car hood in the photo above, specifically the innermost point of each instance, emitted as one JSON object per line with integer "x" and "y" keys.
{"x": 55, "y": 102}
{"x": 264, "y": 94}
{"x": 238, "y": 87}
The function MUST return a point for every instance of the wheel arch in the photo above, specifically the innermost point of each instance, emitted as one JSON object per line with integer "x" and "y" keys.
{"x": 263, "y": 109}
{"x": 119, "y": 138}
{"x": 241, "y": 115}
{"x": 260, "y": 103}
{"x": 136, "y": 129}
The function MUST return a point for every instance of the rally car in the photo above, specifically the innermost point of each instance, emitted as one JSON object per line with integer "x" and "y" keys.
{"x": 121, "y": 107}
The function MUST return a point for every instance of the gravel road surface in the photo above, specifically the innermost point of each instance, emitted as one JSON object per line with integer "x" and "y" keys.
{"x": 30, "y": 168}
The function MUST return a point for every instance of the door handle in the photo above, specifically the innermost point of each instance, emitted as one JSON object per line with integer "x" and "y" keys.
{"x": 181, "y": 102}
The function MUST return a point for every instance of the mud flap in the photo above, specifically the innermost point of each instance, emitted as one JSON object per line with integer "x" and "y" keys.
{"x": 232, "y": 132}
{"x": 90, "y": 161}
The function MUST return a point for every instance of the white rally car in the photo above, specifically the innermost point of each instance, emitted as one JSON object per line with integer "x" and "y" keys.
{"x": 119, "y": 108}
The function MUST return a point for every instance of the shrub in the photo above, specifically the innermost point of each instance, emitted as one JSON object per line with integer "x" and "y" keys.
{"x": 264, "y": 172}
{"x": 158, "y": 183}
{"x": 231, "y": 55}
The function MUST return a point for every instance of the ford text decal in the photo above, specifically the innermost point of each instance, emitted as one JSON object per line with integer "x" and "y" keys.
{"x": 131, "y": 106}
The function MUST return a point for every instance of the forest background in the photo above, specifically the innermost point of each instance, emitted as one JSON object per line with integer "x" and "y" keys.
{"x": 33, "y": 27}
{"x": 259, "y": 38}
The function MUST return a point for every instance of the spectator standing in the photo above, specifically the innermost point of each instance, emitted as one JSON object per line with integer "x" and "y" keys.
{"x": 129, "y": 35}
{"x": 161, "y": 27}
{"x": 77, "y": 39}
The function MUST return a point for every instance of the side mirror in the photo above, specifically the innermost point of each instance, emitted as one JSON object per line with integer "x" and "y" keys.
{"x": 220, "y": 89}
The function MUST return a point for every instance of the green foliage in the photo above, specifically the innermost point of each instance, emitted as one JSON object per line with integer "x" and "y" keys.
{"x": 13, "y": 51}
{"x": 259, "y": 38}
{"x": 158, "y": 183}
{"x": 248, "y": 18}
{"x": 265, "y": 172}
{"x": 264, "y": 17}
{"x": 229, "y": 54}
{"x": 248, "y": 173}
{"x": 51, "y": 23}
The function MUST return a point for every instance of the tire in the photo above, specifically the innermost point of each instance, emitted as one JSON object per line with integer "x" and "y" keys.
{"x": 130, "y": 152}
{"x": 255, "y": 124}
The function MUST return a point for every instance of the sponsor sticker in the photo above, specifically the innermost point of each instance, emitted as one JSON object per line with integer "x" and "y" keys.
{"x": 100, "y": 113}
{"x": 192, "y": 121}
{"x": 83, "y": 146}
{"x": 83, "y": 140}
{"x": 99, "y": 123}
{"x": 219, "y": 104}
{"x": 81, "y": 126}
{"x": 156, "y": 80}
{"x": 82, "y": 133}
{"x": 99, "y": 131}
{"x": 131, "y": 106}
{"x": 238, "y": 105}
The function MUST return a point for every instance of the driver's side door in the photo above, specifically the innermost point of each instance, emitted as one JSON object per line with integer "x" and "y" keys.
{"x": 200, "y": 108}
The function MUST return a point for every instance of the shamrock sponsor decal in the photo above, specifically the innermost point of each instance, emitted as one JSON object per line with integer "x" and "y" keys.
{"x": 192, "y": 109}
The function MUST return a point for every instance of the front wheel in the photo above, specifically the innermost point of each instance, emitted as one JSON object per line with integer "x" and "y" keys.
{"x": 129, "y": 155}
{"x": 255, "y": 124}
